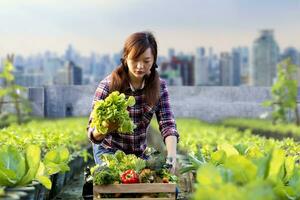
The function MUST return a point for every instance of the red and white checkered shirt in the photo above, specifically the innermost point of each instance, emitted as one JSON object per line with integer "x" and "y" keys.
{"x": 141, "y": 114}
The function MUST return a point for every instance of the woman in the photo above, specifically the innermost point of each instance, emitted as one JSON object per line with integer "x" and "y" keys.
{"x": 137, "y": 76}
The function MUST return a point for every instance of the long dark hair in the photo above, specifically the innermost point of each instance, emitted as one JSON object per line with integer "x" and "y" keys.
{"x": 137, "y": 43}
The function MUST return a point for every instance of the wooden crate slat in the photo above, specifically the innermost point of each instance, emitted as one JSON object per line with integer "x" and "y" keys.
{"x": 135, "y": 188}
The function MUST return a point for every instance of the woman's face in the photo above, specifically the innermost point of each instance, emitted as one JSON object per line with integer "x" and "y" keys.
{"x": 140, "y": 66}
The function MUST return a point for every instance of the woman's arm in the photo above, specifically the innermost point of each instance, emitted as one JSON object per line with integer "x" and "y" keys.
{"x": 171, "y": 144}
{"x": 167, "y": 124}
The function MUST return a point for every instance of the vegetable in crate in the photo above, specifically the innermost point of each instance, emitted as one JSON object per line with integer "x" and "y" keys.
{"x": 103, "y": 175}
{"x": 146, "y": 176}
{"x": 129, "y": 176}
{"x": 113, "y": 110}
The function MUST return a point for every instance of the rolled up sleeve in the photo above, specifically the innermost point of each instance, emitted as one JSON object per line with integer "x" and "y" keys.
{"x": 101, "y": 93}
{"x": 165, "y": 116}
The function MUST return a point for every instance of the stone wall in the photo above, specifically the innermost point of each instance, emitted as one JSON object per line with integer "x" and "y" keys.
{"x": 206, "y": 103}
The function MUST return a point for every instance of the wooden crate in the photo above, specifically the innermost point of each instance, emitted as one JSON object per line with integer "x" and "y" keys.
{"x": 138, "y": 188}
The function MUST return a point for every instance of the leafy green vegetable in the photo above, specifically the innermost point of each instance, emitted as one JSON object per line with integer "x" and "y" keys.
{"x": 243, "y": 169}
{"x": 42, "y": 177}
{"x": 57, "y": 160}
{"x": 229, "y": 149}
{"x": 289, "y": 166}
{"x": 12, "y": 166}
{"x": 105, "y": 176}
{"x": 113, "y": 109}
{"x": 33, "y": 158}
{"x": 122, "y": 162}
{"x": 276, "y": 165}
{"x": 17, "y": 169}
{"x": 218, "y": 157}
{"x": 208, "y": 175}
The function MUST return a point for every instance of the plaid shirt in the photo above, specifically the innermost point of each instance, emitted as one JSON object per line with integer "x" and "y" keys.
{"x": 141, "y": 114}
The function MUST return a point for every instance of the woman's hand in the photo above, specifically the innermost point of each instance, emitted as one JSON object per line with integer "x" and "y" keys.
{"x": 112, "y": 126}
{"x": 171, "y": 144}
{"x": 171, "y": 161}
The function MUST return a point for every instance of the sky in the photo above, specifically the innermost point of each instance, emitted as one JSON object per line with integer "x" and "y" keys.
{"x": 101, "y": 26}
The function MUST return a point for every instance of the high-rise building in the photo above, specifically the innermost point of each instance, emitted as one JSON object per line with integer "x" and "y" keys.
{"x": 265, "y": 59}
{"x": 236, "y": 66}
{"x": 214, "y": 70}
{"x": 226, "y": 69}
{"x": 240, "y": 57}
{"x": 179, "y": 71}
{"x": 51, "y": 66}
{"x": 74, "y": 74}
{"x": 186, "y": 67}
{"x": 201, "y": 67}
{"x": 70, "y": 74}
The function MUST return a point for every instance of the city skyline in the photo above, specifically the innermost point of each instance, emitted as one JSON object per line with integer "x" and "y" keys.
{"x": 204, "y": 68}
{"x": 34, "y": 27}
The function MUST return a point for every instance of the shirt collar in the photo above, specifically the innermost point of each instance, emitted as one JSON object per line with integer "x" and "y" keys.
{"x": 132, "y": 88}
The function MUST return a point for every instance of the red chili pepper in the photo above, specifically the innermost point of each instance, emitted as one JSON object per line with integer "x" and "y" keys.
{"x": 129, "y": 176}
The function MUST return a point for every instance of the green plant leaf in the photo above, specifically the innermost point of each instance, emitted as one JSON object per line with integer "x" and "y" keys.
{"x": 52, "y": 157}
{"x": 33, "y": 158}
{"x": 64, "y": 167}
{"x": 45, "y": 181}
{"x": 52, "y": 168}
{"x": 64, "y": 155}
{"x": 208, "y": 175}
{"x": 243, "y": 170}
{"x": 218, "y": 157}
{"x": 289, "y": 166}
{"x": 7, "y": 177}
{"x": 262, "y": 164}
{"x": 229, "y": 149}
{"x": 254, "y": 152}
{"x": 12, "y": 163}
{"x": 276, "y": 165}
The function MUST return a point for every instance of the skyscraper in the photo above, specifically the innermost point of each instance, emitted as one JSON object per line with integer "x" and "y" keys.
{"x": 241, "y": 64}
{"x": 201, "y": 67}
{"x": 265, "y": 58}
{"x": 237, "y": 66}
{"x": 74, "y": 74}
{"x": 51, "y": 66}
{"x": 226, "y": 69}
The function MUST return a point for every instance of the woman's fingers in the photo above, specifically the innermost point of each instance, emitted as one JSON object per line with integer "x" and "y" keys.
{"x": 113, "y": 126}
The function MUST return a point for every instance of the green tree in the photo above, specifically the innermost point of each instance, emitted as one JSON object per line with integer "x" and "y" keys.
{"x": 284, "y": 93}
{"x": 12, "y": 93}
